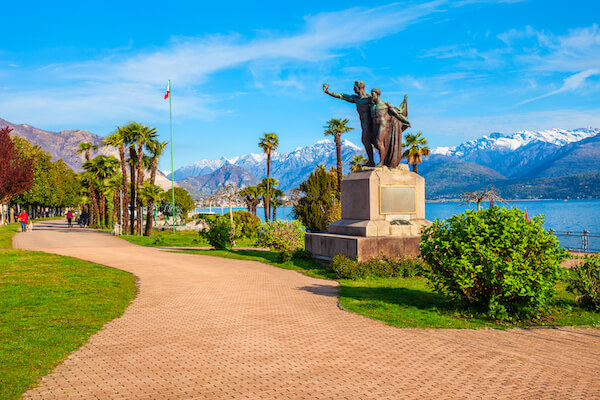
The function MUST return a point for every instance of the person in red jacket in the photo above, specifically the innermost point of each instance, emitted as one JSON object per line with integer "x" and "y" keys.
{"x": 23, "y": 217}
{"x": 69, "y": 217}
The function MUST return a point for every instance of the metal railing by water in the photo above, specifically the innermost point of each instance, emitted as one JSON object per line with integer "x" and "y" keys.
{"x": 578, "y": 241}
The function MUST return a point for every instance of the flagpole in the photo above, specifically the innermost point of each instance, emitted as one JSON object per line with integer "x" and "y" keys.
{"x": 172, "y": 170}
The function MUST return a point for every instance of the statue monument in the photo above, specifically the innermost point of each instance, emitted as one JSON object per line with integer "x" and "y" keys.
{"x": 383, "y": 205}
{"x": 382, "y": 124}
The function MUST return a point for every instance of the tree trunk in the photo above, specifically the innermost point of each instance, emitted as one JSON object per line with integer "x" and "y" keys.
{"x": 267, "y": 198}
{"x": 125, "y": 200}
{"x": 132, "y": 198}
{"x": 274, "y": 213}
{"x": 230, "y": 212}
{"x": 415, "y": 169}
{"x": 149, "y": 218}
{"x": 338, "y": 154}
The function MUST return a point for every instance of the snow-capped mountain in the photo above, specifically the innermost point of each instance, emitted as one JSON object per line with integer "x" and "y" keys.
{"x": 519, "y": 154}
{"x": 289, "y": 168}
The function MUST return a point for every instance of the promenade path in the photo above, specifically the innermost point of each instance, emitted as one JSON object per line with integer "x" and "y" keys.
{"x": 206, "y": 327}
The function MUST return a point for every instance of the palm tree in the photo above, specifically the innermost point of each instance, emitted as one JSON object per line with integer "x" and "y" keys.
{"x": 119, "y": 139}
{"x": 156, "y": 149}
{"x": 271, "y": 183}
{"x": 416, "y": 147}
{"x": 276, "y": 201}
{"x": 251, "y": 196}
{"x": 336, "y": 128}
{"x": 357, "y": 163}
{"x": 150, "y": 194}
{"x": 269, "y": 143}
{"x": 101, "y": 168}
{"x": 138, "y": 135}
{"x": 85, "y": 147}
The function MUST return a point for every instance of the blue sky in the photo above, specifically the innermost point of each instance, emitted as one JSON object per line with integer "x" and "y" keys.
{"x": 469, "y": 67}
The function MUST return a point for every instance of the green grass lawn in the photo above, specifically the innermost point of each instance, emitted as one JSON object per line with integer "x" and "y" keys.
{"x": 410, "y": 303}
{"x": 49, "y": 306}
{"x": 178, "y": 239}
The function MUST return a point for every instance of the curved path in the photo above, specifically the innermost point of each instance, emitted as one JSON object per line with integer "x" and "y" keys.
{"x": 207, "y": 327}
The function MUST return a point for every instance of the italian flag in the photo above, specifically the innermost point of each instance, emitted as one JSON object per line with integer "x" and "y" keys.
{"x": 168, "y": 90}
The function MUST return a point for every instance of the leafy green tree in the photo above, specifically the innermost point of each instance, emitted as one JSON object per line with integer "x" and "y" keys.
{"x": 265, "y": 188}
{"x": 183, "y": 200}
{"x": 319, "y": 192}
{"x": 101, "y": 168}
{"x": 336, "y": 128}
{"x": 416, "y": 147}
{"x": 150, "y": 194}
{"x": 268, "y": 143}
{"x": 85, "y": 147}
{"x": 276, "y": 201}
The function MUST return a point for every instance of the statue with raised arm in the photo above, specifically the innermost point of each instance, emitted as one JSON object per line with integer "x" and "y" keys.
{"x": 363, "y": 106}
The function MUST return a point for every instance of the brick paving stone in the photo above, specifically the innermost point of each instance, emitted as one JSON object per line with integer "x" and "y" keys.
{"x": 204, "y": 327}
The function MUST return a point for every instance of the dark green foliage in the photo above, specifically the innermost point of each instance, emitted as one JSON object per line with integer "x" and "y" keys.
{"x": 333, "y": 213}
{"x": 586, "y": 283}
{"x": 183, "y": 200}
{"x": 283, "y": 237}
{"x": 377, "y": 267}
{"x": 320, "y": 192}
{"x": 220, "y": 234}
{"x": 246, "y": 223}
{"x": 494, "y": 259}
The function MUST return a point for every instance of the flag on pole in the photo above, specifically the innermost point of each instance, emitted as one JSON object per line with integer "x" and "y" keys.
{"x": 168, "y": 90}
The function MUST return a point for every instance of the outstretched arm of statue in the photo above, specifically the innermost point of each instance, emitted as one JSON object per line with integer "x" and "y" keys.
{"x": 346, "y": 97}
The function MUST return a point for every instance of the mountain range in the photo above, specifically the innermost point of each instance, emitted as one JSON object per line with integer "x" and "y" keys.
{"x": 64, "y": 144}
{"x": 526, "y": 164}
{"x": 511, "y": 163}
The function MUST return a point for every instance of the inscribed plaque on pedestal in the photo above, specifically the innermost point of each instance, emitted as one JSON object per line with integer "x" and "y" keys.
{"x": 397, "y": 199}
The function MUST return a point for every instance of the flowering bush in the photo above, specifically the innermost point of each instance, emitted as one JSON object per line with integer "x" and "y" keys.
{"x": 284, "y": 237}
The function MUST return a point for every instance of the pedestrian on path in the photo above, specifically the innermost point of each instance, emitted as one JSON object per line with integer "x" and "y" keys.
{"x": 23, "y": 217}
{"x": 69, "y": 217}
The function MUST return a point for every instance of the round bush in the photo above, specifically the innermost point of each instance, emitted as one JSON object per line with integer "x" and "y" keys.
{"x": 220, "y": 234}
{"x": 247, "y": 223}
{"x": 494, "y": 259}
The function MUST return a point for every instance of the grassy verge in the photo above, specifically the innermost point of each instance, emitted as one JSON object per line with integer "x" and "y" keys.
{"x": 178, "y": 239}
{"x": 410, "y": 303}
{"x": 49, "y": 306}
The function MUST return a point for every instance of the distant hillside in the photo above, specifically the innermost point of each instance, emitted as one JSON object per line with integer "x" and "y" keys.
{"x": 586, "y": 186}
{"x": 63, "y": 144}
{"x": 227, "y": 175}
{"x": 446, "y": 177}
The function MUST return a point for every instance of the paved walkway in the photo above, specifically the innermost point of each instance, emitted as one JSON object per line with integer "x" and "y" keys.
{"x": 206, "y": 327}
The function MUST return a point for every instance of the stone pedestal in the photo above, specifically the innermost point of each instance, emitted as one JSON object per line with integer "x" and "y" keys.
{"x": 383, "y": 211}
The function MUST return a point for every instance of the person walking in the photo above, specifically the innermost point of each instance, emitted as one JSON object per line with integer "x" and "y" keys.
{"x": 23, "y": 217}
{"x": 85, "y": 217}
{"x": 69, "y": 217}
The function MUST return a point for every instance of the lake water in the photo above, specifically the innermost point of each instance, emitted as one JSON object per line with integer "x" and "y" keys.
{"x": 571, "y": 216}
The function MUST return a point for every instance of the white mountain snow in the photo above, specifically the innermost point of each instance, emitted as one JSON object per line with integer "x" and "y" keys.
{"x": 499, "y": 142}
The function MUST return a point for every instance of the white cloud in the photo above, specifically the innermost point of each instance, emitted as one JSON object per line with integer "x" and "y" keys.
{"x": 571, "y": 83}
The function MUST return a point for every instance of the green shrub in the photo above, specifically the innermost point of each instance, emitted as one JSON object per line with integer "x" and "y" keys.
{"x": 494, "y": 259}
{"x": 220, "y": 234}
{"x": 586, "y": 283}
{"x": 333, "y": 213}
{"x": 319, "y": 191}
{"x": 284, "y": 237}
{"x": 376, "y": 267}
{"x": 247, "y": 223}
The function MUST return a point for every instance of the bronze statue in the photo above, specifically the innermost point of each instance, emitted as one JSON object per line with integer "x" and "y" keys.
{"x": 382, "y": 124}
{"x": 388, "y": 123}
{"x": 363, "y": 106}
